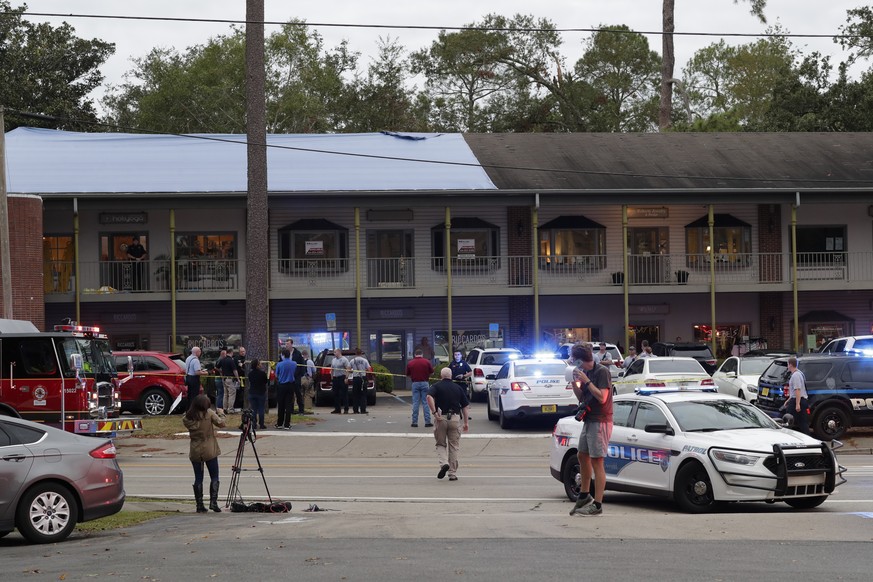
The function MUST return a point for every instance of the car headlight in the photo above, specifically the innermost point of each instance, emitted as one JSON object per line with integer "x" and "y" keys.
{"x": 735, "y": 457}
{"x": 752, "y": 388}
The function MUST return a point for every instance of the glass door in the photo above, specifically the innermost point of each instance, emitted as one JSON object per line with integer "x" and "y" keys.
{"x": 648, "y": 255}
{"x": 390, "y": 262}
{"x": 391, "y": 353}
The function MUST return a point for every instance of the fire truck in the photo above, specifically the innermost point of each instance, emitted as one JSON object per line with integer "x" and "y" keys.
{"x": 65, "y": 378}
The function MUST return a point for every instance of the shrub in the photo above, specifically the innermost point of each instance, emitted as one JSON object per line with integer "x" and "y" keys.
{"x": 384, "y": 379}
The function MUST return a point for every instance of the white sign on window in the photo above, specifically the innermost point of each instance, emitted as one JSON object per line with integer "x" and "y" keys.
{"x": 315, "y": 248}
{"x": 466, "y": 247}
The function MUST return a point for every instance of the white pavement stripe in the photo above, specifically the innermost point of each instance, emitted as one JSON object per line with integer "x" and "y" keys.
{"x": 358, "y": 476}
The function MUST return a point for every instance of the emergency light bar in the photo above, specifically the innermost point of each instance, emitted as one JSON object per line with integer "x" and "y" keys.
{"x": 78, "y": 328}
{"x": 651, "y": 391}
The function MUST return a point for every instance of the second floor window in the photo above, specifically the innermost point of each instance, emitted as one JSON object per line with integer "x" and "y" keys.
{"x": 195, "y": 246}
{"x": 473, "y": 242}
{"x": 731, "y": 246}
{"x": 313, "y": 244}
{"x": 573, "y": 241}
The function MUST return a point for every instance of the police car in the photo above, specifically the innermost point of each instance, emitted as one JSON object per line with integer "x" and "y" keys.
{"x": 530, "y": 388}
{"x": 698, "y": 448}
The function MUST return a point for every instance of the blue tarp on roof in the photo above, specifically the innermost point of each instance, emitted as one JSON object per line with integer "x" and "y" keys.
{"x": 43, "y": 161}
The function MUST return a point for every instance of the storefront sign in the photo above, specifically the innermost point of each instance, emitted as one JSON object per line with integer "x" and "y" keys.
{"x": 464, "y": 340}
{"x": 644, "y": 212}
{"x": 396, "y": 313}
{"x": 466, "y": 248}
{"x": 210, "y": 344}
{"x": 123, "y": 217}
{"x": 656, "y": 309}
{"x": 315, "y": 248}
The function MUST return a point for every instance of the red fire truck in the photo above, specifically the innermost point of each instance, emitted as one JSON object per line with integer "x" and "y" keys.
{"x": 65, "y": 378}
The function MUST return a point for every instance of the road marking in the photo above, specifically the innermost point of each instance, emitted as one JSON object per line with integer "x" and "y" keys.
{"x": 383, "y": 434}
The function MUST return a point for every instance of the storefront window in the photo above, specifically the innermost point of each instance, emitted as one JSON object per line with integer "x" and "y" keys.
{"x": 726, "y": 336}
{"x": 732, "y": 242}
{"x": 315, "y": 342}
{"x": 313, "y": 246}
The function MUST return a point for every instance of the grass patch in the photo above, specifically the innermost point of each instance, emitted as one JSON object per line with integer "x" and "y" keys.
{"x": 167, "y": 427}
{"x": 121, "y": 519}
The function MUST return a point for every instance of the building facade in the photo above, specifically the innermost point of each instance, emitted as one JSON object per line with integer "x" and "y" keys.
{"x": 532, "y": 241}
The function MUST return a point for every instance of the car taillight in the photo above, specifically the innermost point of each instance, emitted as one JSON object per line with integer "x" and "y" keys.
{"x": 707, "y": 382}
{"x": 785, "y": 392}
{"x": 519, "y": 386}
{"x": 105, "y": 451}
{"x": 654, "y": 384}
{"x": 479, "y": 373}
{"x": 711, "y": 362}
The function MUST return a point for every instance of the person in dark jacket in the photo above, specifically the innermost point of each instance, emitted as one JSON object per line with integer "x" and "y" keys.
{"x": 257, "y": 391}
{"x": 201, "y": 420}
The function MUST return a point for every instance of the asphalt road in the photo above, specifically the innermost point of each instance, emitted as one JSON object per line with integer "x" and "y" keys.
{"x": 387, "y": 517}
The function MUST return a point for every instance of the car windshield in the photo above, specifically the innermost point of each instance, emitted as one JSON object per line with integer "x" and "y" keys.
{"x": 714, "y": 415}
{"x": 776, "y": 372}
{"x": 659, "y": 366}
{"x": 692, "y": 351}
{"x": 498, "y": 358}
{"x": 96, "y": 356}
{"x": 539, "y": 370}
{"x": 754, "y": 366}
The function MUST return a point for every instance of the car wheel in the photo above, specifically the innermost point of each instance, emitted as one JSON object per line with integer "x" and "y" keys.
{"x": 491, "y": 415}
{"x": 806, "y": 502}
{"x": 371, "y": 399}
{"x": 46, "y": 514}
{"x": 693, "y": 489}
{"x": 570, "y": 477}
{"x": 831, "y": 422}
{"x": 502, "y": 418}
{"x": 155, "y": 402}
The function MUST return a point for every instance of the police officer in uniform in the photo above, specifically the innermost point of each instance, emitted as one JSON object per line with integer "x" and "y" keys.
{"x": 448, "y": 405}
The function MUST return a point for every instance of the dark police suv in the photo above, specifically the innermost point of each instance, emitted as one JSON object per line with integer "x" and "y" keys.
{"x": 840, "y": 389}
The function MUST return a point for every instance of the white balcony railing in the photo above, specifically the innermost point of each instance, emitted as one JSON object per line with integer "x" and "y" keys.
{"x": 315, "y": 276}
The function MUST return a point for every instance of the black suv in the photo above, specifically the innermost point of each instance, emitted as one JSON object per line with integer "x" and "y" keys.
{"x": 840, "y": 391}
{"x": 698, "y": 351}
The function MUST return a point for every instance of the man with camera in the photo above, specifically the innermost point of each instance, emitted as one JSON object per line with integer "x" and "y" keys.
{"x": 593, "y": 387}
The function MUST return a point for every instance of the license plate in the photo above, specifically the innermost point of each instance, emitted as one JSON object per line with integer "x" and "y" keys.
{"x": 765, "y": 391}
{"x": 550, "y": 408}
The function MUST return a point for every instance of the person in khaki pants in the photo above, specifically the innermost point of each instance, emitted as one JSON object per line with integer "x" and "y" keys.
{"x": 448, "y": 405}
{"x": 307, "y": 381}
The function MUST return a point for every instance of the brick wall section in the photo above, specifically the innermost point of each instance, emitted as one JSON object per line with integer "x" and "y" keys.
{"x": 770, "y": 304}
{"x": 520, "y": 332}
{"x": 769, "y": 241}
{"x": 25, "y": 247}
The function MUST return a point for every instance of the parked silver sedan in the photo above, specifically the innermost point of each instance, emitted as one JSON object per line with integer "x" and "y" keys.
{"x": 50, "y": 480}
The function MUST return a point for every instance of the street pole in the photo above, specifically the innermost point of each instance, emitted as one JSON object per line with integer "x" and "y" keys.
{"x": 5, "y": 254}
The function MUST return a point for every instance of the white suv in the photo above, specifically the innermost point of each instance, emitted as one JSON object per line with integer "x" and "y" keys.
{"x": 485, "y": 363}
{"x": 857, "y": 343}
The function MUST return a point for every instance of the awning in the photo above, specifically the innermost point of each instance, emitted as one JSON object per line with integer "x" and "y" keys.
{"x": 719, "y": 221}
{"x": 570, "y": 223}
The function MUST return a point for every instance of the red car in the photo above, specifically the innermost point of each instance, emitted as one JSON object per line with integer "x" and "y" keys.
{"x": 158, "y": 379}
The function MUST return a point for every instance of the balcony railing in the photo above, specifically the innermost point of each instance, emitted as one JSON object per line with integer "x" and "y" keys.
{"x": 474, "y": 274}
{"x": 153, "y": 276}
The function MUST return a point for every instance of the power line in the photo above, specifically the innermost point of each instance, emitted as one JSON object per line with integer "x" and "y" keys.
{"x": 431, "y": 27}
{"x": 244, "y": 142}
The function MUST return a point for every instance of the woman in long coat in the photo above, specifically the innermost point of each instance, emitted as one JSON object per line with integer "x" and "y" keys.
{"x": 201, "y": 421}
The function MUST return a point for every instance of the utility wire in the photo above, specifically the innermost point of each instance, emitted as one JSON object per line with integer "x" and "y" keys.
{"x": 244, "y": 142}
{"x": 430, "y": 27}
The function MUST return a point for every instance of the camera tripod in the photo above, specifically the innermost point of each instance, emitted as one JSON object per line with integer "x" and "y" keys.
{"x": 248, "y": 434}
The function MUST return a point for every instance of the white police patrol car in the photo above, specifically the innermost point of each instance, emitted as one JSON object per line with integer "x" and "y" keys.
{"x": 700, "y": 447}
{"x": 530, "y": 388}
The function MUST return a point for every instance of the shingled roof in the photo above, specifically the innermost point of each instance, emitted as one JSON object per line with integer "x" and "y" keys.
{"x": 689, "y": 162}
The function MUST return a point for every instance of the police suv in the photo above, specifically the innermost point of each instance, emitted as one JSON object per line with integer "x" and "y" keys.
{"x": 840, "y": 389}
{"x": 698, "y": 448}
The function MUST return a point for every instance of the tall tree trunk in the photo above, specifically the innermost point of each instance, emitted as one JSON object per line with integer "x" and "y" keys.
{"x": 257, "y": 260}
{"x": 668, "y": 60}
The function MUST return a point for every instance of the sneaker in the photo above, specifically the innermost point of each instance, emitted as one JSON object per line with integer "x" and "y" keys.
{"x": 443, "y": 470}
{"x": 582, "y": 502}
{"x": 414, "y": 425}
{"x": 453, "y": 477}
{"x": 428, "y": 424}
{"x": 334, "y": 411}
{"x": 287, "y": 427}
{"x": 590, "y": 509}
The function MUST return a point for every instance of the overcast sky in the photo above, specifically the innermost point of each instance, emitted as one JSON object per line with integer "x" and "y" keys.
{"x": 136, "y": 38}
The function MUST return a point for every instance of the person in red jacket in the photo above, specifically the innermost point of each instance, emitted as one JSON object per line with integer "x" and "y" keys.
{"x": 419, "y": 370}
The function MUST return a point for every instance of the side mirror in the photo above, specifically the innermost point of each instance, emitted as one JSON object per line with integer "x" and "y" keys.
{"x": 621, "y": 374}
{"x": 130, "y": 365}
{"x": 660, "y": 429}
{"x": 731, "y": 374}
